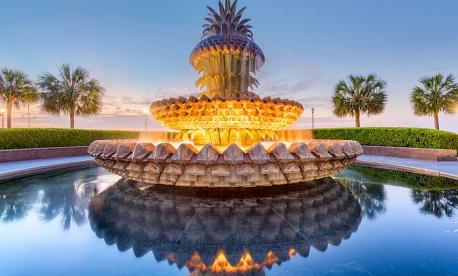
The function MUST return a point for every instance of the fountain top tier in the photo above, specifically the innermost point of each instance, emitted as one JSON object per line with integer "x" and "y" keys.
{"x": 227, "y": 111}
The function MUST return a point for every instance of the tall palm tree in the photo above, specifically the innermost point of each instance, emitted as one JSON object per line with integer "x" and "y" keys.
{"x": 359, "y": 94}
{"x": 435, "y": 94}
{"x": 15, "y": 88}
{"x": 71, "y": 92}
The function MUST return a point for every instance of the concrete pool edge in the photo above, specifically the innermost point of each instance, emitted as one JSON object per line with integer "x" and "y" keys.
{"x": 407, "y": 169}
{"x": 44, "y": 169}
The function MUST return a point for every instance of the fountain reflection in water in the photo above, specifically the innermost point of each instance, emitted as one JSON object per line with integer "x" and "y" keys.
{"x": 212, "y": 231}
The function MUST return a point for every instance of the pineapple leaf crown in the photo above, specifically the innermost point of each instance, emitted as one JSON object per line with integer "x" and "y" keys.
{"x": 227, "y": 21}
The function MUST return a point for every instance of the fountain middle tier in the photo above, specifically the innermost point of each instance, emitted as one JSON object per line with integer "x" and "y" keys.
{"x": 222, "y": 121}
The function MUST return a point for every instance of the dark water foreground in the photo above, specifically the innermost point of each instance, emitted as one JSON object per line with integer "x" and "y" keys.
{"x": 363, "y": 221}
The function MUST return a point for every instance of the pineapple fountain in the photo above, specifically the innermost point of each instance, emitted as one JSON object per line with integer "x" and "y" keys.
{"x": 228, "y": 134}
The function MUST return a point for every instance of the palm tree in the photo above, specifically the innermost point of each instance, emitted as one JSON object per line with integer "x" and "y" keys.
{"x": 15, "y": 88}
{"x": 71, "y": 92}
{"x": 358, "y": 95}
{"x": 435, "y": 94}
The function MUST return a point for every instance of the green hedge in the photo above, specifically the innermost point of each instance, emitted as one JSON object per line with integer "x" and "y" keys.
{"x": 396, "y": 137}
{"x": 17, "y": 138}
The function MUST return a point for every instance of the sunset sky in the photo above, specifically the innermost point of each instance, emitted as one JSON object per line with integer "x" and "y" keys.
{"x": 139, "y": 50}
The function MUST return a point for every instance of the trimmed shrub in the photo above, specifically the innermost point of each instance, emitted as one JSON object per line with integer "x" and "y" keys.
{"x": 395, "y": 137}
{"x": 19, "y": 138}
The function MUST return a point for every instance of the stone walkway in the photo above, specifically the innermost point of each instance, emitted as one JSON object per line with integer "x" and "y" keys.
{"x": 13, "y": 170}
{"x": 434, "y": 168}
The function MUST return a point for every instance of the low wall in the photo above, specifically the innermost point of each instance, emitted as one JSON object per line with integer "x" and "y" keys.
{"x": 40, "y": 153}
{"x": 417, "y": 153}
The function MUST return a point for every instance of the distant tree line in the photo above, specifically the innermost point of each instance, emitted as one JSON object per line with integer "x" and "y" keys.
{"x": 74, "y": 93}
{"x": 71, "y": 91}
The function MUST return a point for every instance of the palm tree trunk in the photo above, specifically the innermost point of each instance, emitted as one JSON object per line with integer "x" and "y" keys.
{"x": 72, "y": 119}
{"x": 436, "y": 120}
{"x": 28, "y": 114}
{"x": 357, "y": 120}
{"x": 9, "y": 109}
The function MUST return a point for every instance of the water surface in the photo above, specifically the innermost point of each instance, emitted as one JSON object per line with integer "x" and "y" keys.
{"x": 362, "y": 221}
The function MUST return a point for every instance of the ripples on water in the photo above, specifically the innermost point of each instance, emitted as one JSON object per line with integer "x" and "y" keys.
{"x": 364, "y": 221}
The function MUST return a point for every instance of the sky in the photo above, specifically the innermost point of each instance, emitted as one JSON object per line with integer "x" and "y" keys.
{"x": 139, "y": 51}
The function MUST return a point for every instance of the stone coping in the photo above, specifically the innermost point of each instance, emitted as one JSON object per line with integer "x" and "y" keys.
{"x": 44, "y": 169}
{"x": 406, "y": 168}
{"x": 13, "y": 155}
{"x": 415, "y": 153}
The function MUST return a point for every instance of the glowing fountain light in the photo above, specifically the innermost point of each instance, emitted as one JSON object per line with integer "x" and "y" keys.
{"x": 228, "y": 136}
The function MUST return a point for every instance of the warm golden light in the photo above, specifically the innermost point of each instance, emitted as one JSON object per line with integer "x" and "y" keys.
{"x": 221, "y": 263}
{"x": 223, "y": 122}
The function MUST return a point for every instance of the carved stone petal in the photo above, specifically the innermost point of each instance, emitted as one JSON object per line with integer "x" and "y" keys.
{"x": 221, "y": 170}
{"x": 246, "y": 169}
{"x": 142, "y": 151}
{"x": 136, "y": 167}
{"x": 302, "y": 151}
{"x": 346, "y": 148}
{"x": 325, "y": 166}
{"x": 356, "y": 147}
{"x": 319, "y": 149}
{"x": 291, "y": 168}
{"x": 233, "y": 154}
{"x": 308, "y": 167}
{"x": 270, "y": 169}
{"x": 124, "y": 150}
{"x": 280, "y": 152}
{"x": 195, "y": 169}
{"x": 110, "y": 149}
{"x": 335, "y": 149}
{"x": 162, "y": 151}
{"x": 153, "y": 168}
{"x": 258, "y": 153}
{"x": 92, "y": 147}
{"x": 173, "y": 169}
{"x": 184, "y": 153}
{"x": 208, "y": 154}
{"x": 99, "y": 148}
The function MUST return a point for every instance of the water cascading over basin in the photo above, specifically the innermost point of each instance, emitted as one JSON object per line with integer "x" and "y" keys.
{"x": 228, "y": 133}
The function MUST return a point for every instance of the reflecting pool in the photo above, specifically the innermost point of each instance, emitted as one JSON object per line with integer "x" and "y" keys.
{"x": 362, "y": 221}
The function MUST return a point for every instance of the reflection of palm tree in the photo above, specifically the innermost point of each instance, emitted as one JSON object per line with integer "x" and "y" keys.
{"x": 62, "y": 199}
{"x": 65, "y": 195}
{"x": 371, "y": 197}
{"x": 436, "y": 203}
{"x": 14, "y": 207}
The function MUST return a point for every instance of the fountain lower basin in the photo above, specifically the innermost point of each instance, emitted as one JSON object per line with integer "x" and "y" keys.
{"x": 264, "y": 164}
